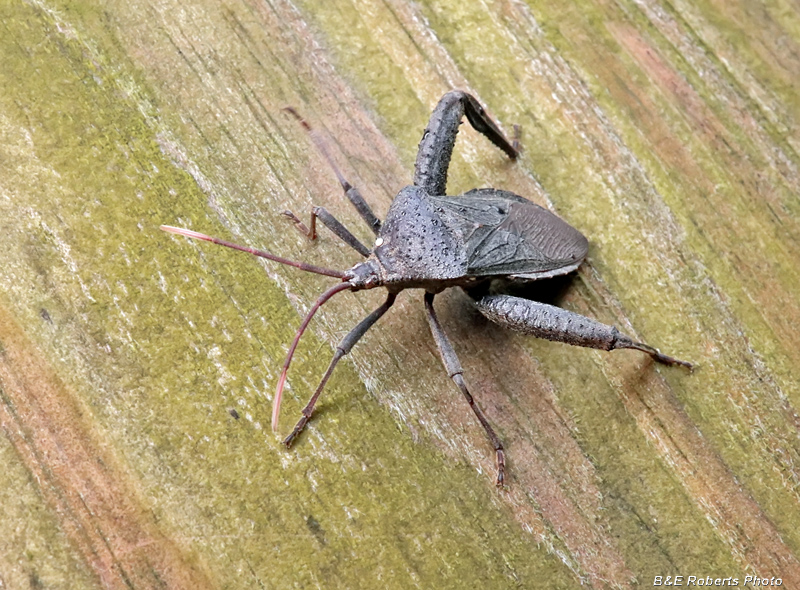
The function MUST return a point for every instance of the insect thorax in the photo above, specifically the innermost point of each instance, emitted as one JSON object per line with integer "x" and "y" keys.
{"x": 414, "y": 245}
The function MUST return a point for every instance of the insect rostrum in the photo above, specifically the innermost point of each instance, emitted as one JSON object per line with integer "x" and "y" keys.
{"x": 432, "y": 242}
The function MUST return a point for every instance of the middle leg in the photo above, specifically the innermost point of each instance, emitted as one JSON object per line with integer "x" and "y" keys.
{"x": 454, "y": 370}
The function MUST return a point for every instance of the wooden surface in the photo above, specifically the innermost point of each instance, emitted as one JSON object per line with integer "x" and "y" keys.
{"x": 667, "y": 132}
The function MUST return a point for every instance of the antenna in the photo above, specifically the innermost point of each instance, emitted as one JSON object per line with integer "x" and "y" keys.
{"x": 276, "y": 402}
{"x": 301, "y": 265}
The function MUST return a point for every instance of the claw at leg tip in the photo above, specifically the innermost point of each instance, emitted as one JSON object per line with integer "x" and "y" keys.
{"x": 673, "y": 361}
{"x": 501, "y": 469}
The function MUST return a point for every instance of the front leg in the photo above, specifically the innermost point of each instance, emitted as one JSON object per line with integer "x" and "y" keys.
{"x": 332, "y": 224}
{"x": 345, "y": 346}
{"x": 436, "y": 146}
{"x": 352, "y": 193}
{"x": 553, "y": 323}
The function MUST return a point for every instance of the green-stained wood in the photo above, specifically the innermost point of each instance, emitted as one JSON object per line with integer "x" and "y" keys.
{"x": 666, "y": 132}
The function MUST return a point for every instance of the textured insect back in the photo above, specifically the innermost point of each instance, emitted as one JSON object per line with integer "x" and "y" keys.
{"x": 504, "y": 234}
{"x": 415, "y": 244}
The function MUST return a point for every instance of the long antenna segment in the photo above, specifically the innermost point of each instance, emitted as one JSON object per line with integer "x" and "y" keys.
{"x": 301, "y": 265}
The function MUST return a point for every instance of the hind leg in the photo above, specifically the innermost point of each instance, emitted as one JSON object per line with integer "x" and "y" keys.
{"x": 436, "y": 147}
{"x": 553, "y": 323}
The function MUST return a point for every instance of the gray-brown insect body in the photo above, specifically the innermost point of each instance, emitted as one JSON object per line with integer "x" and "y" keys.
{"x": 436, "y": 242}
{"x": 431, "y": 241}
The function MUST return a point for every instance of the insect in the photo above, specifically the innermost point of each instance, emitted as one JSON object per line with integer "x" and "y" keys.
{"x": 432, "y": 242}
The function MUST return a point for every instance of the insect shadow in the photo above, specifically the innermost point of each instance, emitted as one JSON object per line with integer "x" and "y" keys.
{"x": 431, "y": 241}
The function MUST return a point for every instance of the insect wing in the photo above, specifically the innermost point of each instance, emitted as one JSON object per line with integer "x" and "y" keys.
{"x": 507, "y": 235}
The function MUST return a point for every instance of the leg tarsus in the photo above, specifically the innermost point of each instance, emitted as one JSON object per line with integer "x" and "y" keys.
{"x": 309, "y": 232}
{"x": 501, "y": 468}
{"x": 624, "y": 341}
{"x": 309, "y": 409}
{"x": 344, "y": 347}
{"x": 299, "y": 427}
{"x": 453, "y": 367}
{"x": 516, "y": 140}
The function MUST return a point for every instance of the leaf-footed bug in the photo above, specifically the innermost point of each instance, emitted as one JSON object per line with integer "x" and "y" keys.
{"x": 433, "y": 242}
